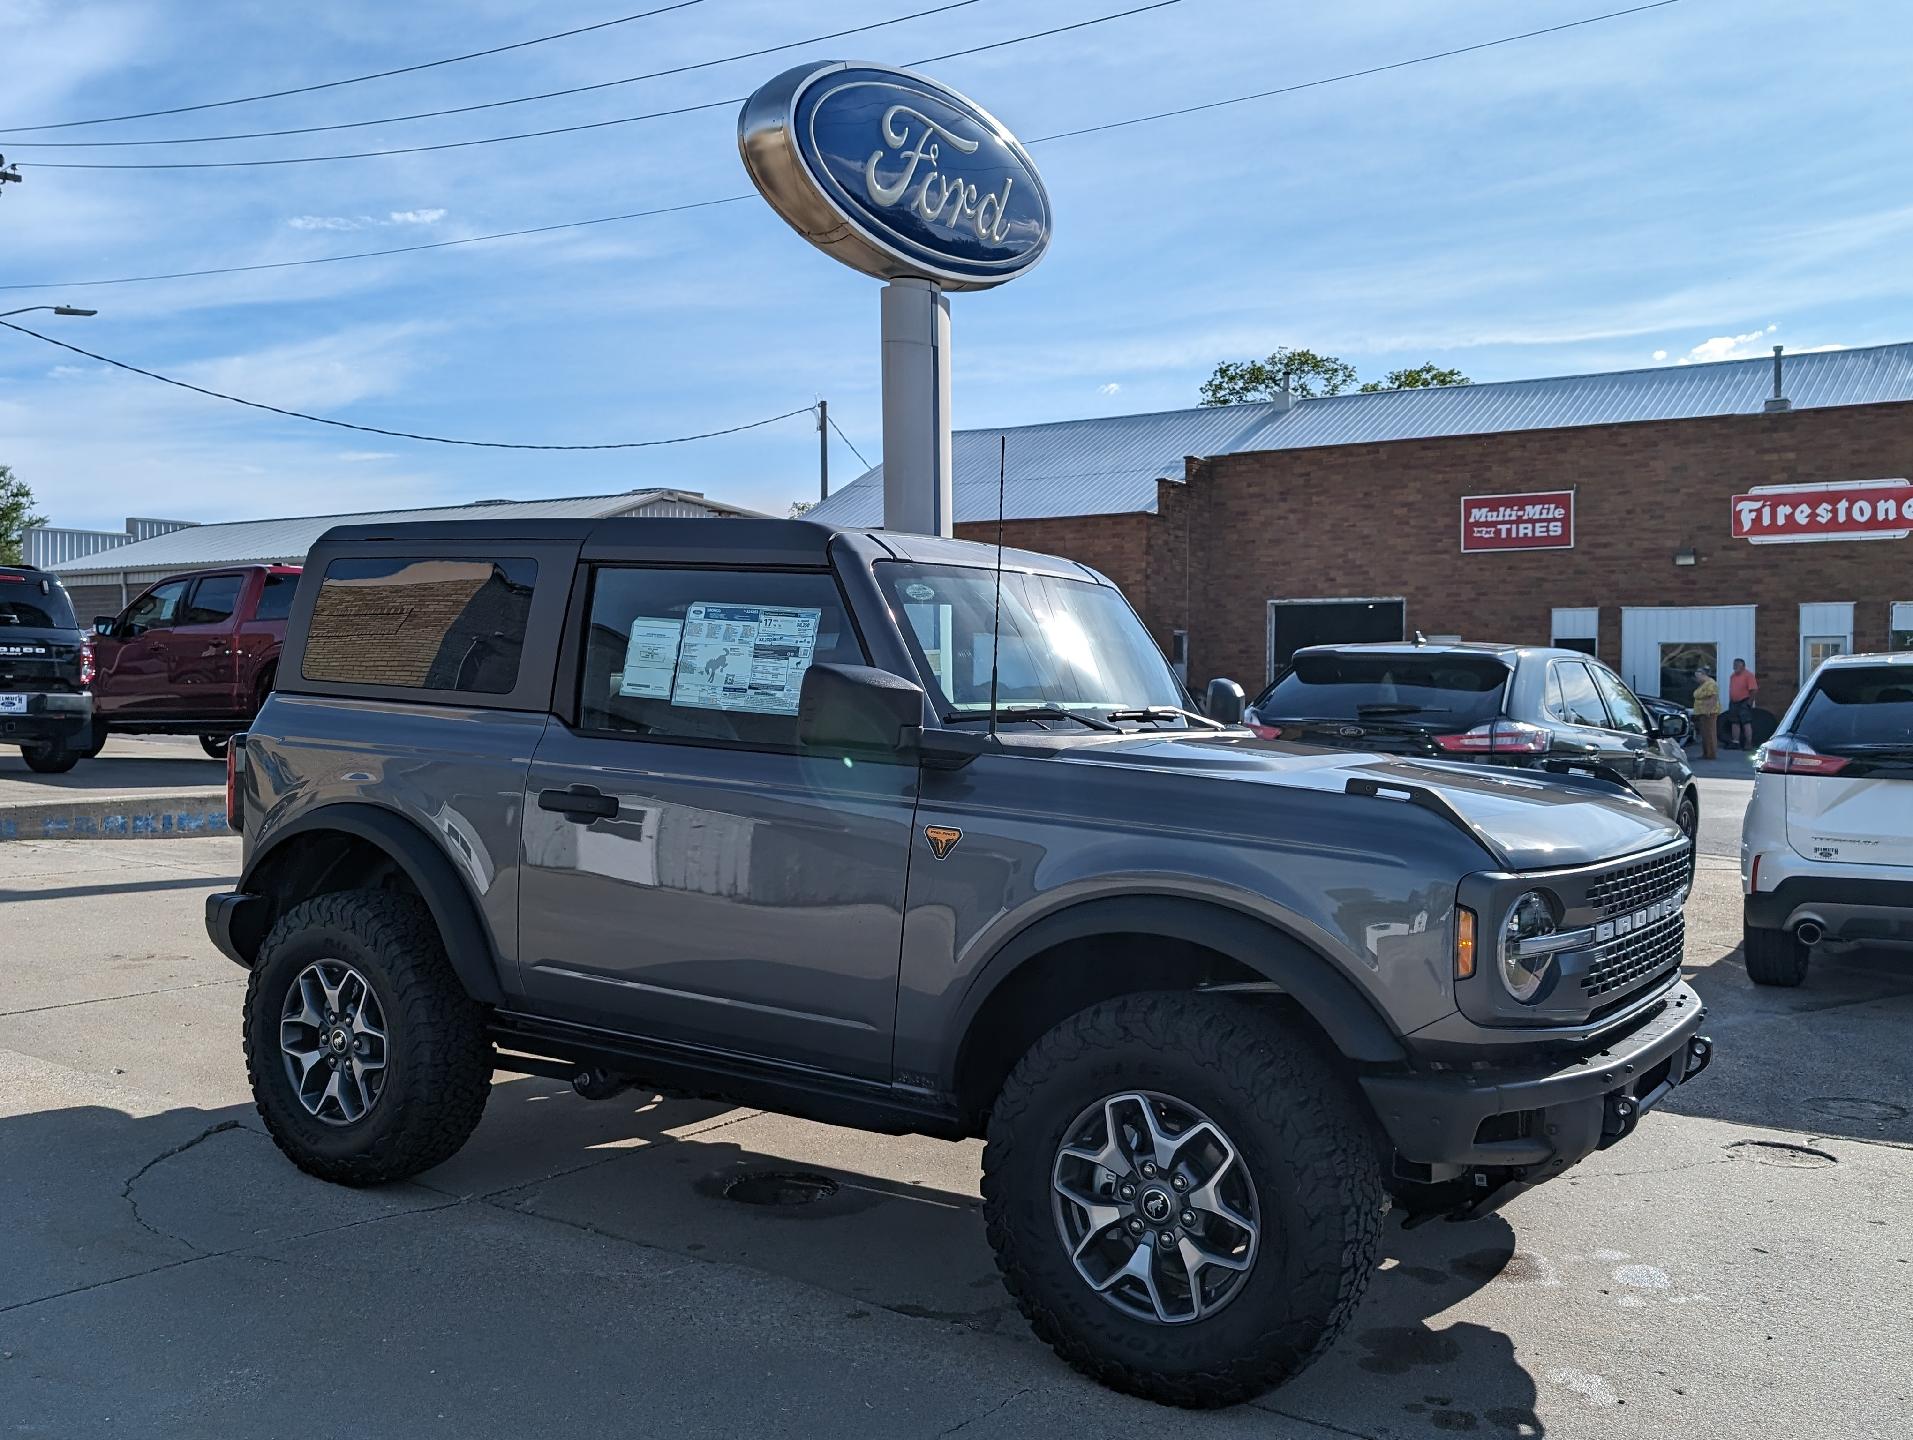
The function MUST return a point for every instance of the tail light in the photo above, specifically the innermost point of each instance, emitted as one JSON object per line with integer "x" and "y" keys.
{"x": 1500, "y": 737}
{"x": 235, "y": 801}
{"x": 1262, "y": 732}
{"x": 87, "y": 672}
{"x": 1790, "y": 755}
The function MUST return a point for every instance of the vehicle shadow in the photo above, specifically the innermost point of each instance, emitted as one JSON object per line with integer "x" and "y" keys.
{"x": 191, "y": 1221}
{"x": 1828, "y": 1058}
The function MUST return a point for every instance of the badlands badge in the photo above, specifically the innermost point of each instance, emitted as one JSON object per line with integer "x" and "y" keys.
{"x": 942, "y": 838}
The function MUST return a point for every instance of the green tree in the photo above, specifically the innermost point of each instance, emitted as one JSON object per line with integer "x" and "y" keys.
{"x": 16, "y": 514}
{"x": 1425, "y": 376}
{"x": 1307, "y": 373}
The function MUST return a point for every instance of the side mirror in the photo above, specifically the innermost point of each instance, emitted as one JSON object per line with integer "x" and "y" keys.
{"x": 103, "y": 624}
{"x": 1673, "y": 725}
{"x": 856, "y": 707}
{"x": 1224, "y": 702}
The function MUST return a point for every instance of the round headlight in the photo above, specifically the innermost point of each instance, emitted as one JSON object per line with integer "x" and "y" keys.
{"x": 1524, "y": 967}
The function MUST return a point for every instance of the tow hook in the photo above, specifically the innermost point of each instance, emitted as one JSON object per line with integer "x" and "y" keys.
{"x": 1622, "y": 1114}
{"x": 1700, "y": 1054}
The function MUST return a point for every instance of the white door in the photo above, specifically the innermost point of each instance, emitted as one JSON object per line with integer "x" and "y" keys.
{"x": 1662, "y": 644}
{"x": 1825, "y": 630}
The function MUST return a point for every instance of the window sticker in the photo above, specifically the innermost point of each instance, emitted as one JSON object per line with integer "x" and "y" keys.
{"x": 744, "y": 657}
{"x": 651, "y": 658}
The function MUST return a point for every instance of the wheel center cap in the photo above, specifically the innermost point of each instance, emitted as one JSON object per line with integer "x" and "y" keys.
{"x": 339, "y": 1041}
{"x": 1156, "y": 1204}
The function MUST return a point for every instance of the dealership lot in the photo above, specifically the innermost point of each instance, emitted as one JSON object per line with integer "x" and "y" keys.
{"x": 165, "y": 1271}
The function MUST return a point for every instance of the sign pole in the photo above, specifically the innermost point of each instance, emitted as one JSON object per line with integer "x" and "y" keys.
{"x": 916, "y": 409}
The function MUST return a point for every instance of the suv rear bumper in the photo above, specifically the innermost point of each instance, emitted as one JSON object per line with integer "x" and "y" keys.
{"x": 51, "y": 719}
{"x": 1844, "y": 908}
{"x": 1537, "y": 1119}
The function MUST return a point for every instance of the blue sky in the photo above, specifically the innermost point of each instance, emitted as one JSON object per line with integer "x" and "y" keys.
{"x": 1700, "y": 181}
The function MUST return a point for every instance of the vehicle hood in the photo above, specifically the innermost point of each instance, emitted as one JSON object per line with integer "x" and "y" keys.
{"x": 1526, "y": 820}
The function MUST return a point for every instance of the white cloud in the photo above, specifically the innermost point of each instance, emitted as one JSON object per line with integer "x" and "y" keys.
{"x": 1752, "y": 345}
{"x": 1660, "y": 354}
{"x": 366, "y": 222}
{"x": 1110, "y": 389}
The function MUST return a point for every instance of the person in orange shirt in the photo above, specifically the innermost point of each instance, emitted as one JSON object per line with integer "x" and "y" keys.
{"x": 1741, "y": 689}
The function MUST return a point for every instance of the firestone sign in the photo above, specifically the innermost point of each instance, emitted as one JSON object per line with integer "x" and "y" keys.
{"x": 1538, "y": 520}
{"x": 1855, "y": 510}
{"x": 896, "y": 175}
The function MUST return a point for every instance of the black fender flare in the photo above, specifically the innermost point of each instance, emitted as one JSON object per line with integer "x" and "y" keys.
{"x": 1291, "y": 967}
{"x": 468, "y": 943}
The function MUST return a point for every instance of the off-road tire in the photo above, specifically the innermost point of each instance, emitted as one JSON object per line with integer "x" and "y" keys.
{"x": 1299, "y": 1128}
{"x": 50, "y": 759}
{"x": 1774, "y": 957}
{"x": 438, "y": 1066}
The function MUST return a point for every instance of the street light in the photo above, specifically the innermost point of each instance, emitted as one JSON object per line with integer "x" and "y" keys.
{"x": 56, "y": 309}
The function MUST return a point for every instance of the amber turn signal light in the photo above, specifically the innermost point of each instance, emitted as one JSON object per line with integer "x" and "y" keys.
{"x": 1464, "y": 943}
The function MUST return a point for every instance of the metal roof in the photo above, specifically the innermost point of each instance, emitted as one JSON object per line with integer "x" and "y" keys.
{"x": 240, "y": 542}
{"x": 1110, "y": 465}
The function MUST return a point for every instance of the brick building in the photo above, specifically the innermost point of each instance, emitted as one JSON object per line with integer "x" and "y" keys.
{"x": 1242, "y": 532}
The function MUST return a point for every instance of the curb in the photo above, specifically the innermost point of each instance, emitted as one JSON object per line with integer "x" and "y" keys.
{"x": 162, "y": 815}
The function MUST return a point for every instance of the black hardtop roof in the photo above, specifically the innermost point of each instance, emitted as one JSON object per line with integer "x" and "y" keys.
{"x": 713, "y": 539}
{"x": 34, "y": 570}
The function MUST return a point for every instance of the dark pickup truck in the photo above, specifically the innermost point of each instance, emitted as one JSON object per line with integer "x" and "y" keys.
{"x": 862, "y": 827}
{"x": 45, "y": 668}
{"x": 194, "y": 655}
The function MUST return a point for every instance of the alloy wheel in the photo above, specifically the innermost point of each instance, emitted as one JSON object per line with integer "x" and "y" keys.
{"x": 1155, "y": 1207}
{"x": 332, "y": 1038}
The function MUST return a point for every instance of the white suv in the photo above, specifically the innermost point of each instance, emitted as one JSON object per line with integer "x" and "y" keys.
{"x": 1827, "y": 850}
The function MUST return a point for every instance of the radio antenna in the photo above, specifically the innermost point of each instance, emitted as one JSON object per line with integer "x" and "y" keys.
{"x": 996, "y": 624}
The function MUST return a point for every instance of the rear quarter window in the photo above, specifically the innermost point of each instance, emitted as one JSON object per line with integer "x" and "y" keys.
{"x": 33, "y": 602}
{"x": 1869, "y": 706}
{"x": 421, "y": 623}
{"x": 1462, "y": 689}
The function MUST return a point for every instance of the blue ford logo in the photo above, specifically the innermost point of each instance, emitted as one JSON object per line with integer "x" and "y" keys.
{"x": 896, "y": 175}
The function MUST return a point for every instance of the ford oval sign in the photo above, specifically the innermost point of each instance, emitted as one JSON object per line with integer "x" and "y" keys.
{"x": 896, "y": 175}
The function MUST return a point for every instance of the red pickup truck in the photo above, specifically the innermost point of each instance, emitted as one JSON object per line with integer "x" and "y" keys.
{"x": 194, "y": 655}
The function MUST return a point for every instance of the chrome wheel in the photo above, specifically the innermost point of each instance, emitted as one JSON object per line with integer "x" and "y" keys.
{"x": 1155, "y": 1207}
{"x": 332, "y": 1039}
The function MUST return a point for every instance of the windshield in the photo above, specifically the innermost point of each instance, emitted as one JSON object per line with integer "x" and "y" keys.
{"x": 1453, "y": 690}
{"x": 1869, "y": 707}
{"x": 32, "y": 602}
{"x": 1070, "y": 643}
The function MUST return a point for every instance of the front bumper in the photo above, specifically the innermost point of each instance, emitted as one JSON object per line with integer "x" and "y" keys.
{"x": 1843, "y": 907}
{"x": 55, "y": 718}
{"x": 1529, "y": 1122}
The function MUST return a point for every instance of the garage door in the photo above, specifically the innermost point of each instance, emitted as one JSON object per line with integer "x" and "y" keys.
{"x": 1294, "y": 624}
{"x": 1662, "y": 646}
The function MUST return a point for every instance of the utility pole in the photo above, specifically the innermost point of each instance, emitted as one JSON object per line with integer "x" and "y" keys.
{"x": 823, "y": 449}
{"x": 9, "y": 174}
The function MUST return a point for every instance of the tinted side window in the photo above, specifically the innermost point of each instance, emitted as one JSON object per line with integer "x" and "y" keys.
{"x": 1621, "y": 704}
{"x": 1580, "y": 702}
{"x": 214, "y": 599}
{"x": 714, "y": 655}
{"x": 157, "y": 609}
{"x": 275, "y": 601}
{"x": 420, "y": 624}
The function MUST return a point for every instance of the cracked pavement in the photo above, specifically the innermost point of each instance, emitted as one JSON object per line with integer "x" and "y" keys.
{"x": 165, "y": 1272}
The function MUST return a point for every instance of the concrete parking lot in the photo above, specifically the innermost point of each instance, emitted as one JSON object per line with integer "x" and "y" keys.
{"x": 1742, "y": 1266}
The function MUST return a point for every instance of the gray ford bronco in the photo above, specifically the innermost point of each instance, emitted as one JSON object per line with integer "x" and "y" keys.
{"x": 857, "y": 826}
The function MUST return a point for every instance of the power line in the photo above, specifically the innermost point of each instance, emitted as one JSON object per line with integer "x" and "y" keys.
{"x": 525, "y": 99}
{"x": 393, "y": 250}
{"x": 847, "y": 440}
{"x": 1350, "y": 74}
{"x": 604, "y": 124}
{"x": 732, "y": 199}
{"x": 359, "y": 79}
{"x": 402, "y": 434}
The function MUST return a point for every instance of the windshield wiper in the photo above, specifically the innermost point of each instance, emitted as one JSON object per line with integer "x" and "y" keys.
{"x": 1164, "y": 712}
{"x": 1030, "y": 712}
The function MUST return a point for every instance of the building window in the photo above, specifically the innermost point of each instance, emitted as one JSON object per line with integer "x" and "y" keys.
{"x": 1815, "y": 649}
{"x": 1578, "y": 629}
{"x": 1901, "y": 626}
{"x": 1179, "y": 654}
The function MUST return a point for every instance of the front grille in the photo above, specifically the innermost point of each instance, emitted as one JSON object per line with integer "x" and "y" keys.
{"x": 1640, "y": 885}
{"x": 1639, "y": 957}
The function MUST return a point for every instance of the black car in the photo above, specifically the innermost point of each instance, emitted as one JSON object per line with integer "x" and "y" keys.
{"x": 46, "y": 667}
{"x": 1528, "y": 706}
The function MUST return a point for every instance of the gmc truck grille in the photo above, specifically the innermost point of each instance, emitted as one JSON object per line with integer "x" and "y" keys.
{"x": 1640, "y": 885}
{"x": 1641, "y": 956}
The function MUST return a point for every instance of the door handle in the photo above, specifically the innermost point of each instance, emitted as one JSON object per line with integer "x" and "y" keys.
{"x": 580, "y": 803}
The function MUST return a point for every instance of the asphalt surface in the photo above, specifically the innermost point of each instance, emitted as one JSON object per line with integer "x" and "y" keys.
{"x": 1742, "y": 1266}
{"x": 128, "y": 763}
